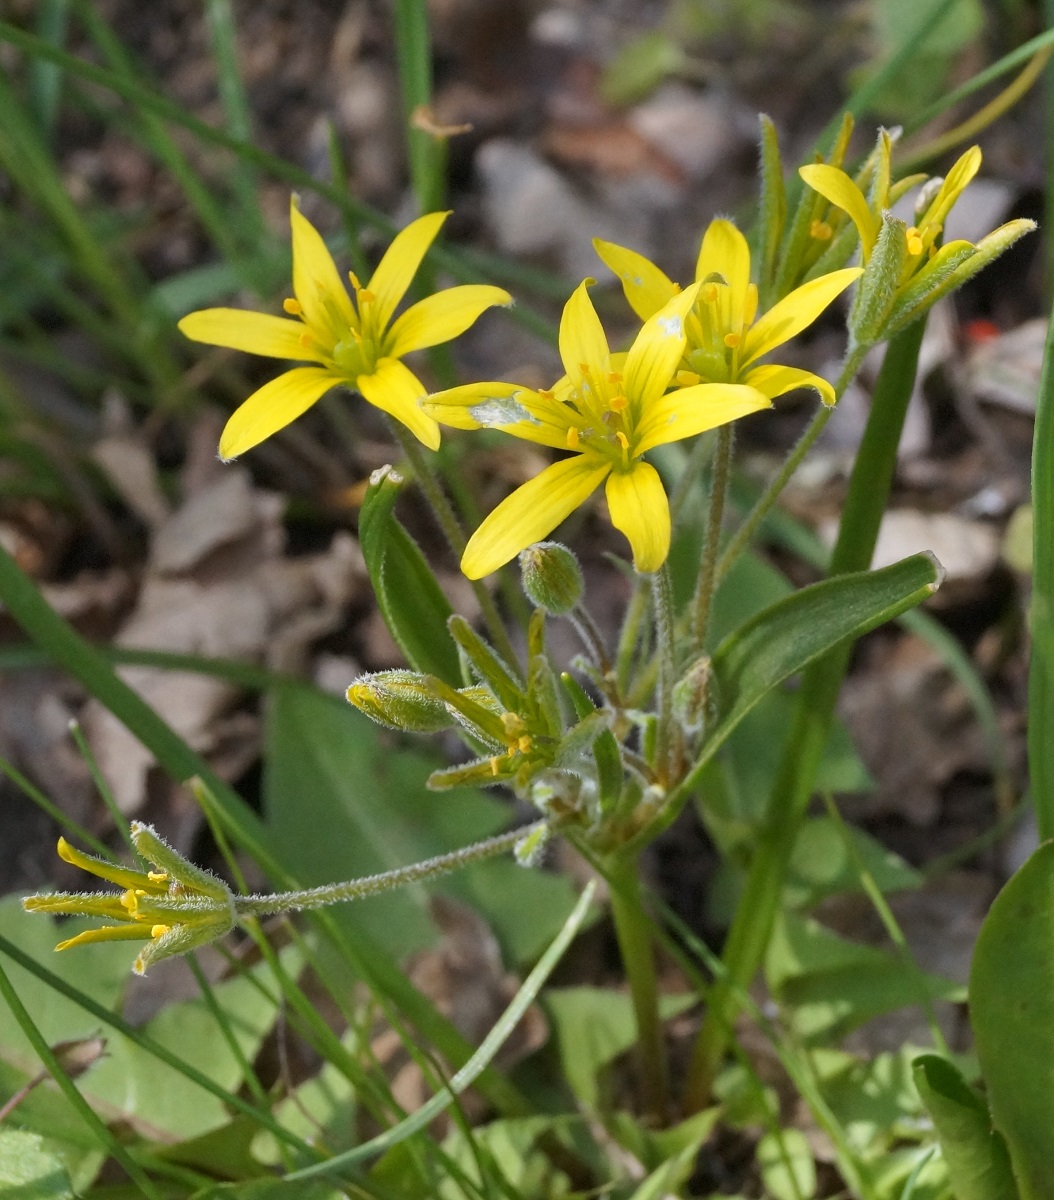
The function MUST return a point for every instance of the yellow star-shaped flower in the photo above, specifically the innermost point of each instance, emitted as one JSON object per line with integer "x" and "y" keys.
{"x": 724, "y": 336}
{"x": 356, "y": 344}
{"x": 610, "y": 410}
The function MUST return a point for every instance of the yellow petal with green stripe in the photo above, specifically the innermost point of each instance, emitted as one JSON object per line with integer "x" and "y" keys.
{"x": 510, "y": 407}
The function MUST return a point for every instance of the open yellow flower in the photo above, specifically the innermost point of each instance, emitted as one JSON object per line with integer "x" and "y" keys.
{"x": 610, "y": 410}
{"x": 354, "y": 344}
{"x": 724, "y": 337}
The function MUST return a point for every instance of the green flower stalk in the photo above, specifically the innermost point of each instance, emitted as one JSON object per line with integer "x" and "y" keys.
{"x": 178, "y": 907}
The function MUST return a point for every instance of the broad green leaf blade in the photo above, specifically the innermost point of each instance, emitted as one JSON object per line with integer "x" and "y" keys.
{"x": 833, "y": 985}
{"x": 787, "y": 1165}
{"x": 29, "y": 1171}
{"x": 1012, "y": 1014}
{"x": 976, "y": 1154}
{"x": 788, "y": 635}
{"x": 411, "y": 601}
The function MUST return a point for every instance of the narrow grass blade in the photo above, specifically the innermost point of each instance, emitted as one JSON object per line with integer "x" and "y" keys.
{"x": 491, "y": 1044}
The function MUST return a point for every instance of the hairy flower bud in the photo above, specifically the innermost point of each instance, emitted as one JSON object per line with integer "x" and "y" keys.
{"x": 400, "y": 700}
{"x": 551, "y": 577}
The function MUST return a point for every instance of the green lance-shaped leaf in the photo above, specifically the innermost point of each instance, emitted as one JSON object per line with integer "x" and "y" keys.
{"x": 785, "y": 637}
{"x": 1012, "y": 1014}
{"x": 977, "y": 1158}
{"x": 411, "y": 601}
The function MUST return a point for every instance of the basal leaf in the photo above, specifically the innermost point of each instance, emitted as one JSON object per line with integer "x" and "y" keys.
{"x": 976, "y": 1154}
{"x": 1012, "y": 1014}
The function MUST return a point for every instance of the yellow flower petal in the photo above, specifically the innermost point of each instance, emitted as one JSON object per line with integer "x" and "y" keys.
{"x": 774, "y": 380}
{"x": 442, "y": 316}
{"x": 509, "y": 407}
{"x": 962, "y": 171}
{"x": 253, "y": 332}
{"x": 398, "y": 266}
{"x": 646, "y": 287}
{"x": 639, "y": 509}
{"x": 272, "y": 407}
{"x": 724, "y": 251}
{"x": 692, "y": 410}
{"x": 108, "y": 933}
{"x": 836, "y": 186}
{"x": 317, "y": 284}
{"x": 395, "y": 389}
{"x": 582, "y": 339}
{"x": 795, "y": 312}
{"x": 531, "y": 512}
{"x": 94, "y": 865}
{"x": 656, "y": 351}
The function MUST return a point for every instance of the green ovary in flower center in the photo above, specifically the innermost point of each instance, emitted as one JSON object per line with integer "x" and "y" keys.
{"x": 354, "y": 356}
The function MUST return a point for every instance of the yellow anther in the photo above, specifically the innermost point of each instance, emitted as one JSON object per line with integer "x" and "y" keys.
{"x": 157, "y": 931}
{"x": 614, "y": 376}
{"x": 354, "y": 281}
{"x": 732, "y": 340}
{"x": 914, "y": 241}
{"x": 572, "y": 438}
{"x": 584, "y": 368}
{"x": 365, "y": 296}
{"x": 821, "y": 231}
{"x": 292, "y": 307}
{"x": 623, "y": 441}
{"x": 494, "y": 765}
{"x": 514, "y": 724}
{"x": 306, "y": 340}
{"x": 687, "y": 378}
{"x": 618, "y": 404}
{"x": 129, "y": 901}
{"x": 710, "y": 293}
{"x": 524, "y": 744}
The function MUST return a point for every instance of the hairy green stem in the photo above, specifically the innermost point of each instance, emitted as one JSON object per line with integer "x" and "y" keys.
{"x": 373, "y": 885}
{"x": 634, "y": 932}
{"x": 665, "y": 633}
{"x": 771, "y": 494}
{"x": 443, "y": 511}
{"x": 751, "y": 929}
{"x": 704, "y": 587}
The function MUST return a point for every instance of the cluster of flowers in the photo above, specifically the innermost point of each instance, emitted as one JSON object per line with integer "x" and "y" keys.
{"x": 694, "y": 365}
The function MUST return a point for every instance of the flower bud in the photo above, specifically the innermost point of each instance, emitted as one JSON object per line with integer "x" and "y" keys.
{"x": 552, "y": 577}
{"x": 877, "y": 290}
{"x": 400, "y": 700}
